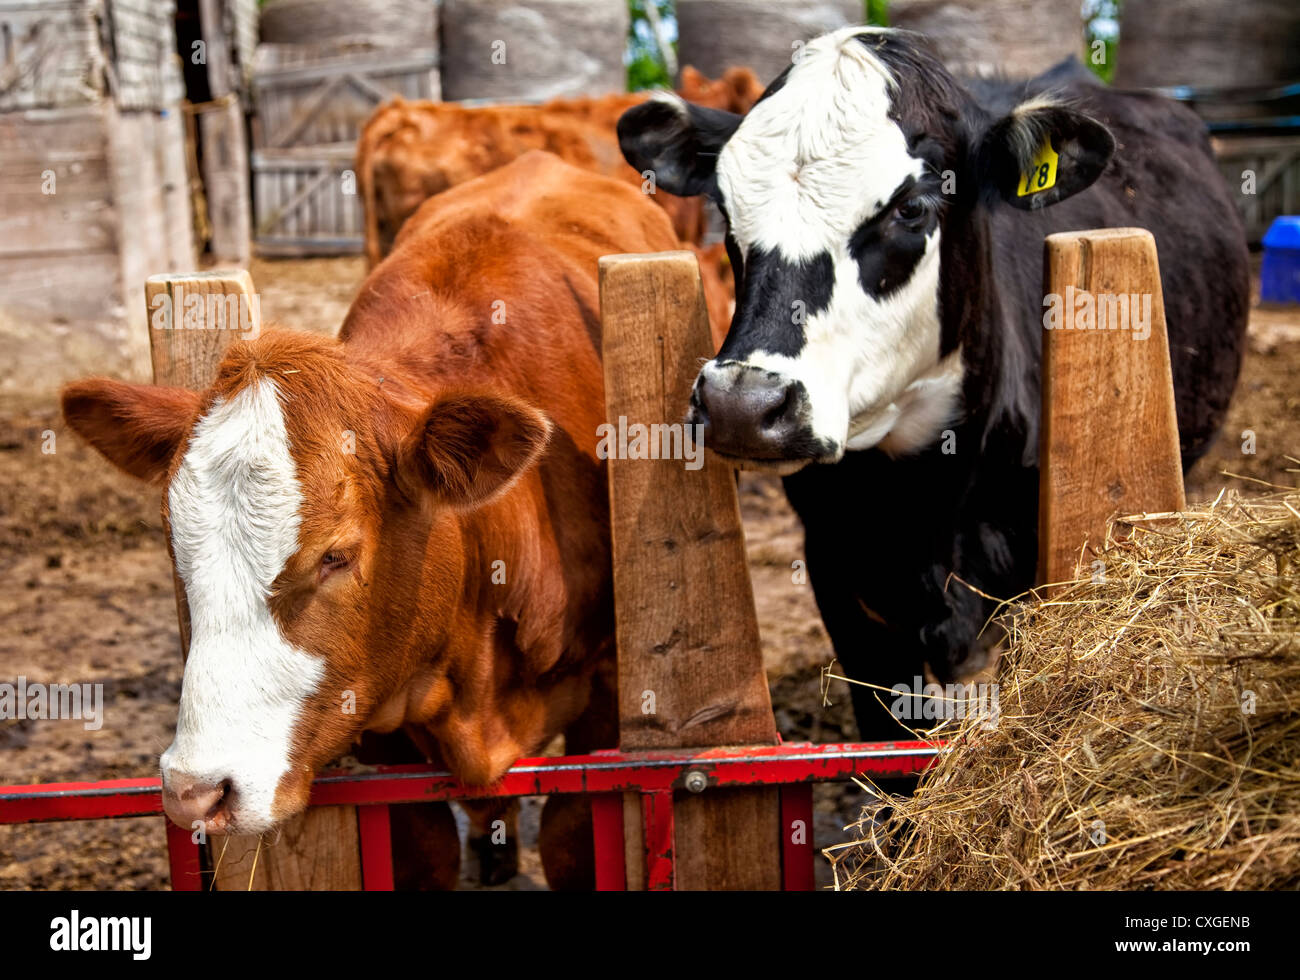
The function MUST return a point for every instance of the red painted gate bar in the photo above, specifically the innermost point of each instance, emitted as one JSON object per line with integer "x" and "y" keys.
{"x": 183, "y": 857}
{"x": 657, "y": 827}
{"x": 376, "y": 834}
{"x": 607, "y": 838}
{"x": 601, "y": 772}
{"x": 797, "y": 872}
{"x": 606, "y": 775}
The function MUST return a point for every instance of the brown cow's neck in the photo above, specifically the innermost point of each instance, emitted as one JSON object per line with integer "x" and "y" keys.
{"x": 477, "y": 720}
{"x": 503, "y": 674}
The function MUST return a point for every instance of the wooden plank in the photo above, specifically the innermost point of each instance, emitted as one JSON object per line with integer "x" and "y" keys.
{"x": 244, "y": 14}
{"x": 677, "y": 540}
{"x": 144, "y": 42}
{"x": 185, "y": 351}
{"x": 178, "y": 214}
{"x": 300, "y": 208}
{"x": 65, "y": 151}
{"x": 225, "y": 180}
{"x": 52, "y": 54}
{"x": 287, "y": 214}
{"x": 734, "y": 837}
{"x": 283, "y": 63}
{"x": 80, "y": 219}
{"x": 155, "y": 227}
{"x": 306, "y": 112}
{"x": 289, "y": 247}
{"x": 308, "y": 95}
{"x": 39, "y": 135}
{"x": 320, "y": 849}
{"x": 689, "y": 663}
{"x": 633, "y": 843}
{"x": 1275, "y": 161}
{"x": 1109, "y": 434}
{"x": 218, "y": 45}
{"x": 74, "y": 286}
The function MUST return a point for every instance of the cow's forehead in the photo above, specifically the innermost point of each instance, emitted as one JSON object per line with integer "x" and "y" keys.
{"x": 819, "y": 154}
{"x": 235, "y": 500}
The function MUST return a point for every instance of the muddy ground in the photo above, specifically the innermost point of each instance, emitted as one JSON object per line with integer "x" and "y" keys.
{"x": 86, "y": 596}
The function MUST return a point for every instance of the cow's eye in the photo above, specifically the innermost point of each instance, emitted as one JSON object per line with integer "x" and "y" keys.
{"x": 911, "y": 211}
{"x": 331, "y": 562}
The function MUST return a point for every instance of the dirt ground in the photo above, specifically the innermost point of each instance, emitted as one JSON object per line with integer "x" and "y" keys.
{"x": 86, "y": 596}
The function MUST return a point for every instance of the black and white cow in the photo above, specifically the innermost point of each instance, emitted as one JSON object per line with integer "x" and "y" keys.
{"x": 884, "y": 352}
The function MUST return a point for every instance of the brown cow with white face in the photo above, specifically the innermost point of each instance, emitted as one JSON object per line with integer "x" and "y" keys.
{"x": 411, "y": 518}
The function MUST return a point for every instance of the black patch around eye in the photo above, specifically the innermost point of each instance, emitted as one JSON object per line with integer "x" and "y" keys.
{"x": 888, "y": 246}
{"x": 774, "y": 298}
{"x": 887, "y": 255}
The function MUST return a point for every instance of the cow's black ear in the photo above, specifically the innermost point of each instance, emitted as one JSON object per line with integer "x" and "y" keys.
{"x": 1042, "y": 153}
{"x": 676, "y": 141}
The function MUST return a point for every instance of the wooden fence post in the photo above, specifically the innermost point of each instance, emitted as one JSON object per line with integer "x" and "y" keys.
{"x": 689, "y": 662}
{"x": 1109, "y": 433}
{"x": 192, "y": 320}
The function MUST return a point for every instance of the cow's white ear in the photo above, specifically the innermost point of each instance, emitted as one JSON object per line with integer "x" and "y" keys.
{"x": 1042, "y": 153}
{"x": 469, "y": 447}
{"x": 676, "y": 141}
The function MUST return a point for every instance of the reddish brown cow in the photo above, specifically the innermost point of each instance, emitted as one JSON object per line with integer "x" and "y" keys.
{"x": 410, "y": 151}
{"x": 736, "y": 91}
{"x": 405, "y": 527}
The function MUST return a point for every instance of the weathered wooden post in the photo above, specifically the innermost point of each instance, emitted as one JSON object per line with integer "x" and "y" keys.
{"x": 689, "y": 663}
{"x": 192, "y": 320}
{"x": 1109, "y": 433}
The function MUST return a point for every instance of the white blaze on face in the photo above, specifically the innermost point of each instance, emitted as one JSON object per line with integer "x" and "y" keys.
{"x": 805, "y": 169}
{"x": 235, "y": 504}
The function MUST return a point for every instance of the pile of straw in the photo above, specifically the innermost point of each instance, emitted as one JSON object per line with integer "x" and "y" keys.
{"x": 1149, "y": 729}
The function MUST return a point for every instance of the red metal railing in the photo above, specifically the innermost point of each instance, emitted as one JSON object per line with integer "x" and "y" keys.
{"x": 606, "y": 776}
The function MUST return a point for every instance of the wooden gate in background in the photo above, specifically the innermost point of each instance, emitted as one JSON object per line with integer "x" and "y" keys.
{"x": 312, "y": 102}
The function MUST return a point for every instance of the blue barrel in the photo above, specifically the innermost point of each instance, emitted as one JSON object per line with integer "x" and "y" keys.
{"x": 1279, "y": 275}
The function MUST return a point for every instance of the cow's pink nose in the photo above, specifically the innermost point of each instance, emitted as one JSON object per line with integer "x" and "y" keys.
{"x": 187, "y": 799}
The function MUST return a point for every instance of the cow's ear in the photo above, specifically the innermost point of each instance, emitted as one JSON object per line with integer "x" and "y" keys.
{"x": 691, "y": 80}
{"x": 137, "y": 428}
{"x": 469, "y": 447}
{"x": 676, "y": 141}
{"x": 745, "y": 88}
{"x": 1042, "y": 153}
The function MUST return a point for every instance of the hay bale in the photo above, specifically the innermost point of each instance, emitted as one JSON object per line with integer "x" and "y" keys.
{"x": 715, "y": 35}
{"x": 533, "y": 50}
{"x": 1208, "y": 43}
{"x": 393, "y": 23}
{"x": 1149, "y": 728}
{"x": 984, "y": 38}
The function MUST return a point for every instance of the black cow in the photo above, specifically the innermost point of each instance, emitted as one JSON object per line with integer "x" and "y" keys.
{"x": 885, "y": 226}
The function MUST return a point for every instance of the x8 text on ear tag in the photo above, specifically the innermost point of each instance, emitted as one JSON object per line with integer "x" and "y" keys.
{"x": 1042, "y": 172}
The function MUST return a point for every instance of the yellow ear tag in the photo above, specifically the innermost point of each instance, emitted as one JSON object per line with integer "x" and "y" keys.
{"x": 1042, "y": 174}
